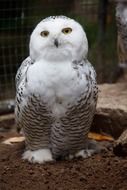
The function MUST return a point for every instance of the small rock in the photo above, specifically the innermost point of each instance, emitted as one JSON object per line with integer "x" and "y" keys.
{"x": 111, "y": 111}
{"x": 120, "y": 146}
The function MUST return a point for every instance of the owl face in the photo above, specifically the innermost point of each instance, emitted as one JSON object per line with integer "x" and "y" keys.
{"x": 58, "y": 39}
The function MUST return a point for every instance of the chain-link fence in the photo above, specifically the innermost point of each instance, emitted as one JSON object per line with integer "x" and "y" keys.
{"x": 18, "y": 18}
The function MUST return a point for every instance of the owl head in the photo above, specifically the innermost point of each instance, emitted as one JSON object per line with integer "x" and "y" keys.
{"x": 58, "y": 38}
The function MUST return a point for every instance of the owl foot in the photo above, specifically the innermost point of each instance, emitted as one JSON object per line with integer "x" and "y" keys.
{"x": 38, "y": 156}
{"x": 91, "y": 147}
{"x": 85, "y": 153}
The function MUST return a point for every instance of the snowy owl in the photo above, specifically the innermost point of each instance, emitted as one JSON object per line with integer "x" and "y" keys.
{"x": 56, "y": 92}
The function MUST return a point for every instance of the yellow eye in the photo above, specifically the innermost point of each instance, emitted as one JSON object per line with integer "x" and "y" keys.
{"x": 44, "y": 33}
{"x": 67, "y": 30}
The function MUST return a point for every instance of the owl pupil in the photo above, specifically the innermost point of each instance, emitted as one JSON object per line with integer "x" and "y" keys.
{"x": 67, "y": 30}
{"x": 44, "y": 33}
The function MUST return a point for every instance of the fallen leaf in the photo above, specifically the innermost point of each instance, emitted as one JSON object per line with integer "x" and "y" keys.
{"x": 91, "y": 135}
{"x": 12, "y": 140}
{"x": 100, "y": 137}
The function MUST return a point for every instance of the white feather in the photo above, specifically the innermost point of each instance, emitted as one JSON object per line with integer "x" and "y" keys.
{"x": 56, "y": 82}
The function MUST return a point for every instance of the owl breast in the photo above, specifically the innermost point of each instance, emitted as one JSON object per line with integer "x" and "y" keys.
{"x": 58, "y": 84}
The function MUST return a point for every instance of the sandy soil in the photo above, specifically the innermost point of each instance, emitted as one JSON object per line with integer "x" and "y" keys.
{"x": 103, "y": 171}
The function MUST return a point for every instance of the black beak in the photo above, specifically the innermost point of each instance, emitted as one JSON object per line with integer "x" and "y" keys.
{"x": 56, "y": 43}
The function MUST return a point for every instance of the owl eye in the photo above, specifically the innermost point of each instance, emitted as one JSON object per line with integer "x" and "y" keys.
{"x": 44, "y": 33}
{"x": 67, "y": 30}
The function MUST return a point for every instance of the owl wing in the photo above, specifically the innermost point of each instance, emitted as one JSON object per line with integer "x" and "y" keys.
{"x": 85, "y": 67}
{"x": 20, "y": 87}
{"x": 92, "y": 74}
{"x": 91, "y": 70}
{"x": 79, "y": 115}
{"x": 22, "y": 71}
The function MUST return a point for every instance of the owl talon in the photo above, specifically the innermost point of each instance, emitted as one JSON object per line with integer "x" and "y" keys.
{"x": 38, "y": 156}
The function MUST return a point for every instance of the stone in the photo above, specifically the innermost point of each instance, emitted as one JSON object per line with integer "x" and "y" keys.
{"x": 111, "y": 111}
{"x": 120, "y": 145}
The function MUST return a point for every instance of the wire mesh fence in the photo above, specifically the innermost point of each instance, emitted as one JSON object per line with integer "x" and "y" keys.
{"x": 18, "y": 18}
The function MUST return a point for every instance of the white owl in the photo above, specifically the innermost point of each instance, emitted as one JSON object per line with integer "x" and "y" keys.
{"x": 56, "y": 92}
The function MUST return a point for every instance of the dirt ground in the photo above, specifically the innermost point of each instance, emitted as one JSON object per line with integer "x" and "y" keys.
{"x": 103, "y": 171}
